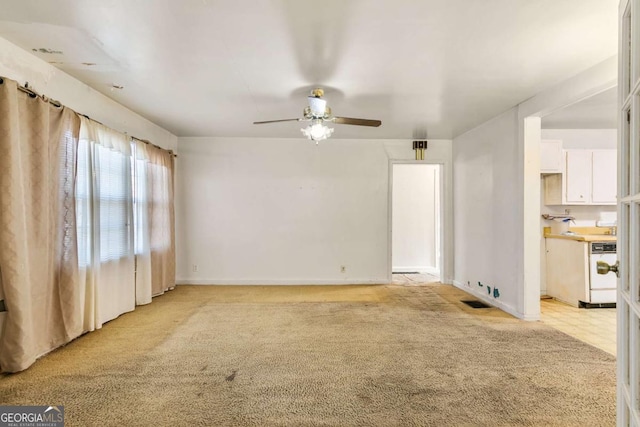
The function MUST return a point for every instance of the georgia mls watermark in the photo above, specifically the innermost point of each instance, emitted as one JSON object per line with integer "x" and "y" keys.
{"x": 31, "y": 416}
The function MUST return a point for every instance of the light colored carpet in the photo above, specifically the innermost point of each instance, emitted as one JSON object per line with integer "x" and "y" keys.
{"x": 335, "y": 356}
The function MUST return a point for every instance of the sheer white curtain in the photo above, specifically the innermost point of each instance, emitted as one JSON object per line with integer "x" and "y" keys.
{"x": 141, "y": 222}
{"x": 104, "y": 222}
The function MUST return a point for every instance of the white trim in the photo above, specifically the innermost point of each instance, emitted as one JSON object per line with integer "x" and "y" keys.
{"x": 528, "y": 295}
{"x": 390, "y": 220}
{"x": 494, "y": 302}
{"x": 286, "y": 282}
{"x": 627, "y": 385}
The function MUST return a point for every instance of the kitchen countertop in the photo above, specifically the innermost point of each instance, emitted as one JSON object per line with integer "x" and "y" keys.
{"x": 583, "y": 234}
{"x": 584, "y": 237}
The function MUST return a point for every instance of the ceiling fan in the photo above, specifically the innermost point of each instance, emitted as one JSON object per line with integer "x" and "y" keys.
{"x": 317, "y": 113}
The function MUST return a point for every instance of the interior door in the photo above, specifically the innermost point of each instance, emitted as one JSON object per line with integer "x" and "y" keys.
{"x": 628, "y": 305}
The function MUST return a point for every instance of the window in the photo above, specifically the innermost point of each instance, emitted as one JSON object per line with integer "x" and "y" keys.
{"x": 114, "y": 194}
{"x": 103, "y": 203}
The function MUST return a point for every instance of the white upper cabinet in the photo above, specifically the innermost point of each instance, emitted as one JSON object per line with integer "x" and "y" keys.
{"x": 588, "y": 178}
{"x": 604, "y": 176}
{"x": 577, "y": 176}
{"x": 551, "y": 156}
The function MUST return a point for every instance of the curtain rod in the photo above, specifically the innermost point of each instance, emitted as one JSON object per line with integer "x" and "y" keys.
{"x": 89, "y": 118}
{"x": 151, "y": 143}
{"x": 33, "y": 94}
{"x": 132, "y": 137}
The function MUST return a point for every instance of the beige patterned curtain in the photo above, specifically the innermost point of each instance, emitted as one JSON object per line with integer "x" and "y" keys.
{"x": 38, "y": 255}
{"x": 161, "y": 219}
{"x": 154, "y": 221}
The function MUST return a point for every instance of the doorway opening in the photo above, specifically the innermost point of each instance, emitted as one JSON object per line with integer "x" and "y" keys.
{"x": 416, "y": 223}
{"x": 578, "y": 213}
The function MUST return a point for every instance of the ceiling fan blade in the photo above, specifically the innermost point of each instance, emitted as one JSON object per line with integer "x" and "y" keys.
{"x": 276, "y": 121}
{"x": 358, "y": 122}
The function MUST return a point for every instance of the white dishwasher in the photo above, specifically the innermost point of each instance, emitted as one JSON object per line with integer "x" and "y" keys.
{"x": 602, "y": 287}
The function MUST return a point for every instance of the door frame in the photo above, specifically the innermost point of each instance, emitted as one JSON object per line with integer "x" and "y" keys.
{"x": 592, "y": 81}
{"x": 444, "y": 221}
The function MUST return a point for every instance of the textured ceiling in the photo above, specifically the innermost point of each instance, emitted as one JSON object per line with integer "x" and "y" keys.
{"x": 426, "y": 68}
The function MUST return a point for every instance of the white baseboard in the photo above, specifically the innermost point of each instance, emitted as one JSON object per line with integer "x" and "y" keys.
{"x": 287, "y": 282}
{"x": 493, "y": 302}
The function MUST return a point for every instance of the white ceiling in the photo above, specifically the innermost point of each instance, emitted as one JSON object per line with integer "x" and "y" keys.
{"x": 426, "y": 68}
{"x": 597, "y": 112}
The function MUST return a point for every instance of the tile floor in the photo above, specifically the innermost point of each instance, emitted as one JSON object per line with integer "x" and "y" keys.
{"x": 595, "y": 326}
{"x": 414, "y": 279}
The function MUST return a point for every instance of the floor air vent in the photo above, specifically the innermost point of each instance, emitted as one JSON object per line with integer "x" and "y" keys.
{"x": 476, "y": 304}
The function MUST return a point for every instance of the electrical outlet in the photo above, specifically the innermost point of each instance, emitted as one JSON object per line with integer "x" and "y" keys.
{"x": 343, "y": 269}
{"x": 194, "y": 268}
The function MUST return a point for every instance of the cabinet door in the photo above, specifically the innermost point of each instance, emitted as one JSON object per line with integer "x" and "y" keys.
{"x": 604, "y": 177}
{"x": 578, "y": 176}
{"x": 567, "y": 270}
{"x": 551, "y": 156}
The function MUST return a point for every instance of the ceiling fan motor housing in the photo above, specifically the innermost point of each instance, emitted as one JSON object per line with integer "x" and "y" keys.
{"x": 318, "y": 106}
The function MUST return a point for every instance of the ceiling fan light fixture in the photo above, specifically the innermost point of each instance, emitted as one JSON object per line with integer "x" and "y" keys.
{"x": 317, "y": 131}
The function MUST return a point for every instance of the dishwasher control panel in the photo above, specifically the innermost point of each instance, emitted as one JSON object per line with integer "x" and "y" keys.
{"x": 603, "y": 247}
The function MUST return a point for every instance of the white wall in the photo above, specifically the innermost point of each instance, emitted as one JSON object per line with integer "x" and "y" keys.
{"x": 585, "y": 216}
{"x": 414, "y": 206}
{"x": 497, "y": 194}
{"x": 486, "y": 196}
{"x": 20, "y": 65}
{"x": 584, "y": 138}
{"x": 281, "y": 211}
